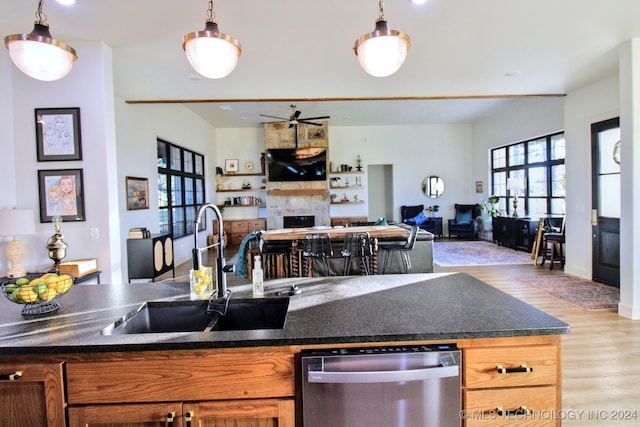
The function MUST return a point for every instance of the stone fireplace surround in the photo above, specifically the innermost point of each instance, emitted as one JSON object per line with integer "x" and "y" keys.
{"x": 303, "y": 198}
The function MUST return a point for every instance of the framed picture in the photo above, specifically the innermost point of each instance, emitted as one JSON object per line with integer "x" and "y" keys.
{"x": 231, "y": 165}
{"x": 61, "y": 194}
{"x": 479, "y": 187}
{"x": 58, "y": 134}
{"x": 137, "y": 193}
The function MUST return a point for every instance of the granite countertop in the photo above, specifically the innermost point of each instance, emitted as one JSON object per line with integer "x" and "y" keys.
{"x": 367, "y": 309}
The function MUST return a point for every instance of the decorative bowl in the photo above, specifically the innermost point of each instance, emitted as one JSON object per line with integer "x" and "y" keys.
{"x": 38, "y": 293}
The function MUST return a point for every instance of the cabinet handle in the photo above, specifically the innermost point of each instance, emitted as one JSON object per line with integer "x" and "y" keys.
{"x": 170, "y": 417}
{"x": 188, "y": 418}
{"x": 12, "y": 377}
{"x": 512, "y": 412}
{"x": 522, "y": 369}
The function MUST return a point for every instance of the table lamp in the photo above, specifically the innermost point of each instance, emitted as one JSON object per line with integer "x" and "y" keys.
{"x": 16, "y": 222}
{"x": 514, "y": 185}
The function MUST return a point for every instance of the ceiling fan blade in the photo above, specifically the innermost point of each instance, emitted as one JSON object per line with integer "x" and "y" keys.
{"x": 295, "y": 115}
{"x": 275, "y": 117}
{"x": 316, "y": 118}
{"x": 309, "y": 123}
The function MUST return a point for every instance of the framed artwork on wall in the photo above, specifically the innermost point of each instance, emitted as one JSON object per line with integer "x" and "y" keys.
{"x": 58, "y": 134}
{"x": 231, "y": 165}
{"x": 61, "y": 194}
{"x": 137, "y": 193}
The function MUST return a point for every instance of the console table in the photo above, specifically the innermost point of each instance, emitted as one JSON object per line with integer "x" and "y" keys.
{"x": 515, "y": 233}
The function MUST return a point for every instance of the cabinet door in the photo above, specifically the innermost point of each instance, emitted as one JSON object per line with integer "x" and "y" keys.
{"x": 243, "y": 413}
{"x": 124, "y": 415}
{"x": 32, "y": 395}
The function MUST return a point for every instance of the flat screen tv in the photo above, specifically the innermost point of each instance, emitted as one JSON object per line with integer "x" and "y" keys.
{"x": 297, "y": 164}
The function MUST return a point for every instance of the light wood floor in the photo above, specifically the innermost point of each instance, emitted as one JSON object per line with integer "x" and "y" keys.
{"x": 601, "y": 354}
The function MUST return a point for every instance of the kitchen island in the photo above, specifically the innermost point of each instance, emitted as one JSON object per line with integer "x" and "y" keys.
{"x": 239, "y": 374}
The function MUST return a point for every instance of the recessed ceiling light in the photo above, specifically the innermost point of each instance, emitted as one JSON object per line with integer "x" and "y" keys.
{"x": 66, "y": 2}
{"x": 225, "y": 107}
{"x": 512, "y": 73}
{"x": 418, "y": 1}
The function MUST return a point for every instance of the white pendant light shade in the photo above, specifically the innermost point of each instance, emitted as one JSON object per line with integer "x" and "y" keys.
{"x": 383, "y": 51}
{"x": 212, "y": 54}
{"x": 39, "y": 55}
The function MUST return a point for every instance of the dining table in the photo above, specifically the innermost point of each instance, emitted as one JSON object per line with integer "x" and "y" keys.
{"x": 336, "y": 234}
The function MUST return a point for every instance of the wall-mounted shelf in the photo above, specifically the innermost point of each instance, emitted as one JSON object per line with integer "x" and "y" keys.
{"x": 350, "y": 187}
{"x": 241, "y": 189}
{"x": 243, "y": 174}
{"x": 351, "y": 202}
{"x": 346, "y": 172}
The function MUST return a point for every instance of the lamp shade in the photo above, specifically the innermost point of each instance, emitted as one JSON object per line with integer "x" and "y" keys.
{"x": 211, "y": 53}
{"x": 17, "y": 222}
{"x": 514, "y": 184}
{"x": 39, "y": 55}
{"x": 383, "y": 51}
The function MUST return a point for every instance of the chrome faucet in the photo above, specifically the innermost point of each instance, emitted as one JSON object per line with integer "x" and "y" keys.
{"x": 197, "y": 251}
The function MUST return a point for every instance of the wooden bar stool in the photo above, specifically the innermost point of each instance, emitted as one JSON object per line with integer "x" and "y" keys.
{"x": 316, "y": 245}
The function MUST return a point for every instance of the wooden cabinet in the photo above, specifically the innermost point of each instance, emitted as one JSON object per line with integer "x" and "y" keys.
{"x": 347, "y": 220}
{"x": 512, "y": 386}
{"x": 515, "y": 233}
{"x": 237, "y": 229}
{"x": 244, "y": 413}
{"x": 32, "y": 394}
{"x": 214, "y": 388}
{"x": 151, "y": 257}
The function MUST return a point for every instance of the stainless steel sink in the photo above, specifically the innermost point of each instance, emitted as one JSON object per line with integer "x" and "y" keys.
{"x": 199, "y": 316}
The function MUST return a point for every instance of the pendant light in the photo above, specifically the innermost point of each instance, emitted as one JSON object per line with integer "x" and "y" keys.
{"x": 383, "y": 51}
{"x": 211, "y": 53}
{"x": 38, "y": 54}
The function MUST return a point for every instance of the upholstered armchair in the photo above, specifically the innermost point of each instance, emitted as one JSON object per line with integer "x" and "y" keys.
{"x": 465, "y": 223}
{"x": 414, "y": 215}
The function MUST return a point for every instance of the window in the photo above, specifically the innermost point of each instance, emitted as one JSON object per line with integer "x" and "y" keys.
{"x": 180, "y": 188}
{"x": 539, "y": 165}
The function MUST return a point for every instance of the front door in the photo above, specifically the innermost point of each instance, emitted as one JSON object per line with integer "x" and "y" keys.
{"x": 605, "y": 213}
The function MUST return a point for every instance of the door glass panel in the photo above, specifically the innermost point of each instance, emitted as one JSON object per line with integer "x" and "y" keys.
{"x": 558, "y": 207}
{"x": 557, "y": 181}
{"x": 538, "y": 182}
{"x": 537, "y": 207}
{"x": 609, "y": 174}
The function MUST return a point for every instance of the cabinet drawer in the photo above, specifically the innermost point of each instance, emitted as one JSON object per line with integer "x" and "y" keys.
{"x": 236, "y": 238}
{"x": 336, "y": 222}
{"x": 257, "y": 224}
{"x": 482, "y": 406}
{"x": 482, "y": 366}
{"x": 244, "y": 375}
{"x": 240, "y": 226}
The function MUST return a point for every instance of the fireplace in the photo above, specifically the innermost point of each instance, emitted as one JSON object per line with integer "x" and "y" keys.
{"x": 296, "y": 221}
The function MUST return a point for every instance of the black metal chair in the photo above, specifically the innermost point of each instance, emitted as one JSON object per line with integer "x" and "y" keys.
{"x": 316, "y": 245}
{"x": 402, "y": 248}
{"x": 357, "y": 245}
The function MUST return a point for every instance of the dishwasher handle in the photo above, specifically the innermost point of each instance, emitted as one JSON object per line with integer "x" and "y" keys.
{"x": 383, "y": 376}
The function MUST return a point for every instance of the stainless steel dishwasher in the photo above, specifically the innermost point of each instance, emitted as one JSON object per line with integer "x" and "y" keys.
{"x": 412, "y": 386}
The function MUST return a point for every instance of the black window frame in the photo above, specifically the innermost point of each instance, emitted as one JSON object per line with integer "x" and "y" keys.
{"x": 176, "y": 206}
{"x": 498, "y": 186}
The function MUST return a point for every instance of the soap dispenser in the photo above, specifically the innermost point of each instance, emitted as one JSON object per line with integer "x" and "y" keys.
{"x": 257, "y": 276}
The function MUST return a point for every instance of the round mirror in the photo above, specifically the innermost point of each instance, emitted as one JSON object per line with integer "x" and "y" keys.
{"x": 433, "y": 186}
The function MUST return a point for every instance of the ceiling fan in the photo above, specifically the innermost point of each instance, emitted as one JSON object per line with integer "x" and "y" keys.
{"x": 294, "y": 119}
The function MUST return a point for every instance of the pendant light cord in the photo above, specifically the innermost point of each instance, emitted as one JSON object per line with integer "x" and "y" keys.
{"x": 41, "y": 17}
{"x": 211, "y": 15}
{"x": 381, "y": 11}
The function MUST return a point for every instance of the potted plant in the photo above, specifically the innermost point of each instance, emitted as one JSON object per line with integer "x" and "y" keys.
{"x": 489, "y": 207}
{"x": 433, "y": 210}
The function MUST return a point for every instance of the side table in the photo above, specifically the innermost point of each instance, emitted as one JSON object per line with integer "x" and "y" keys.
{"x": 434, "y": 226}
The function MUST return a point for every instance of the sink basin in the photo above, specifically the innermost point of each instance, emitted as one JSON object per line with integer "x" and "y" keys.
{"x": 192, "y": 316}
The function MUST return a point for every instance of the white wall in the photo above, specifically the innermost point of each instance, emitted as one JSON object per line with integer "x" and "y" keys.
{"x": 88, "y": 86}
{"x": 139, "y": 127}
{"x": 590, "y": 104}
{"x": 415, "y": 153}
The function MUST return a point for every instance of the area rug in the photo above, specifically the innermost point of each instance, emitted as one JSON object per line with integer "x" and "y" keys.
{"x": 458, "y": 254}
{"x": 581, "y": 293}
